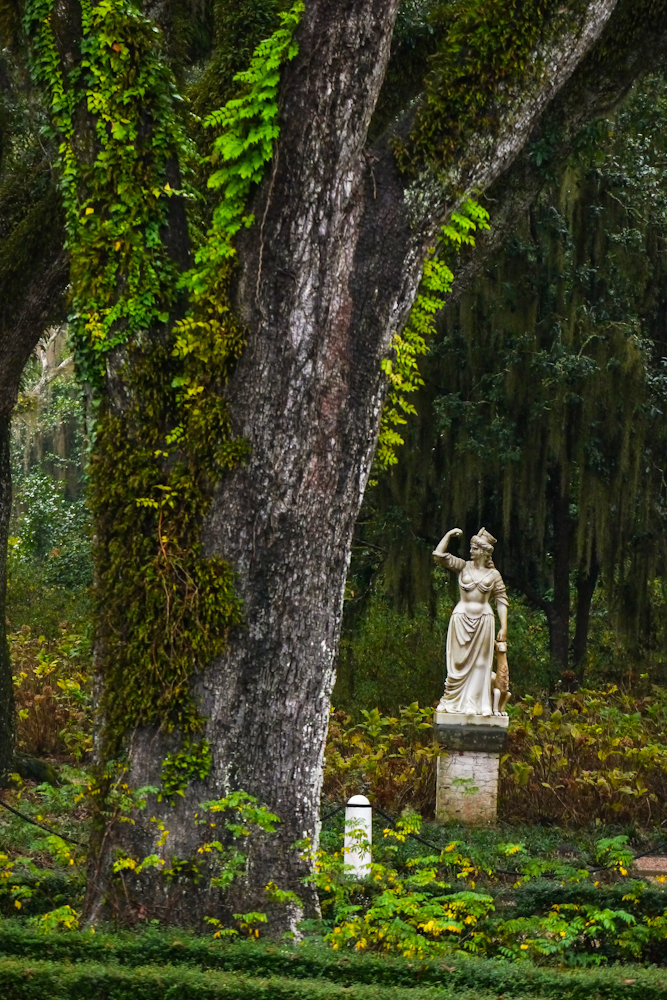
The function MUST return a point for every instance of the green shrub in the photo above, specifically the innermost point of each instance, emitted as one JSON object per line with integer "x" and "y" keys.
{"x": 305, "y": 973}
{"x": 456, "y": 900}
{"x": 394, "y": 758}
{"x": 390, "y": 657}
{"x": 53, "y": 692}
{"x": 40, "y": 870}
{"x": 46, "y": 981}
{"x": 591, "y": 755}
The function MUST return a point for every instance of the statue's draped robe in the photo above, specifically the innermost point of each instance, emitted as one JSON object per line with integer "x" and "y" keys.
{"x": 470, "y": 640}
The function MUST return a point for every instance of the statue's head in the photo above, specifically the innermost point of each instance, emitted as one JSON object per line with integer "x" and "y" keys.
{"x": 483, "y": 542}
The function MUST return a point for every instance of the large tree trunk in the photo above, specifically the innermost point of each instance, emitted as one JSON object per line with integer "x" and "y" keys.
{"x": 321, "y": 296}
{"x": 329, "y": 272}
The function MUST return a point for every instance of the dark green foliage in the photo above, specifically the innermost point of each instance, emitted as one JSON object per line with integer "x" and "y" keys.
{"x": 191, "y": 763}
{"x": 390, "y": 657}
{"x": 10, "y": 22}
{"x": 250, "y": 970}
{"x": 414, "y": 41}
{"x": 41, "y": 871}
{"x": 592, "y": 754}
{"x": 52, "y": 533}
{"x": 573, "y": 759}
{"x": 393, "y": 643}
{"x": 552, "y": 375}
{"x": 116, "y": 201}
{"x": 52, "y": 689}
{"x": 424, "y": 900}
{"x": 49, "y": 558}
{"x": 31, "y": 215}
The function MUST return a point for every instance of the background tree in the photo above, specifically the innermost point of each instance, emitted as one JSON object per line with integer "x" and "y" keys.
{"x": 232, "y": 449}
{"x": 544, "y": 408}
{"x": 33, "y": 275}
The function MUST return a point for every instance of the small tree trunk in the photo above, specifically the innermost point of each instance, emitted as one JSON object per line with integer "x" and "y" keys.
{"x": 558, "y": 613}
{"x": 586, "y": 583}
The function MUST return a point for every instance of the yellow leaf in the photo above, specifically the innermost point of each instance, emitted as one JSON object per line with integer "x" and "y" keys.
{"x": 89, "y": 210}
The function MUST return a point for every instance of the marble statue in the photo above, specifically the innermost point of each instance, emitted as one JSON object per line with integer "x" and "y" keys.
{"x": 472, "y": 688}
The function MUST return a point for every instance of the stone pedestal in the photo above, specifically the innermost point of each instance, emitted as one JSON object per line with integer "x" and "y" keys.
{"x": 467, "y": 781}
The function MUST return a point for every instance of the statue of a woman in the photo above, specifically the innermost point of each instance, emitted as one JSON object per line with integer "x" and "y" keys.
{"x": 471, "y": 635}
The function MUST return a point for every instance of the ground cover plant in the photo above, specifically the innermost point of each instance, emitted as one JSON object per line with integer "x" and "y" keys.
{"x": 573, "y": 904}
{"x": 571, "y": 757}
{"x": 43, "y": 850}
{"x": 546, "y": 885}
{"x": 521, "y": 891}
{"x": 546, "y": 888}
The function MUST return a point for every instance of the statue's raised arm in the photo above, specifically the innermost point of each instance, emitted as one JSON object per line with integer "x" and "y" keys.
{"x": 442, "y": 556}
{"x": 441, "y": 547}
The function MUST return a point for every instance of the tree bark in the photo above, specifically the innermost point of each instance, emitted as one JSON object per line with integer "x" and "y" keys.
{"x": 322, "y": 288}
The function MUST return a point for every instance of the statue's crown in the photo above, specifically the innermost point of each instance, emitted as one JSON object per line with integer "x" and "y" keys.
{"x": 486, "y": 536}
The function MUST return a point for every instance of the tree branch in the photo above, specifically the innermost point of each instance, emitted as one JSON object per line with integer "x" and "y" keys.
{"x": 601, "y": 82}
{"x": 30, "y": 319}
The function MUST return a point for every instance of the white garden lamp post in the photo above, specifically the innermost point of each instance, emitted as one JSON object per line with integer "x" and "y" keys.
{"x": 358, "y": 835}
